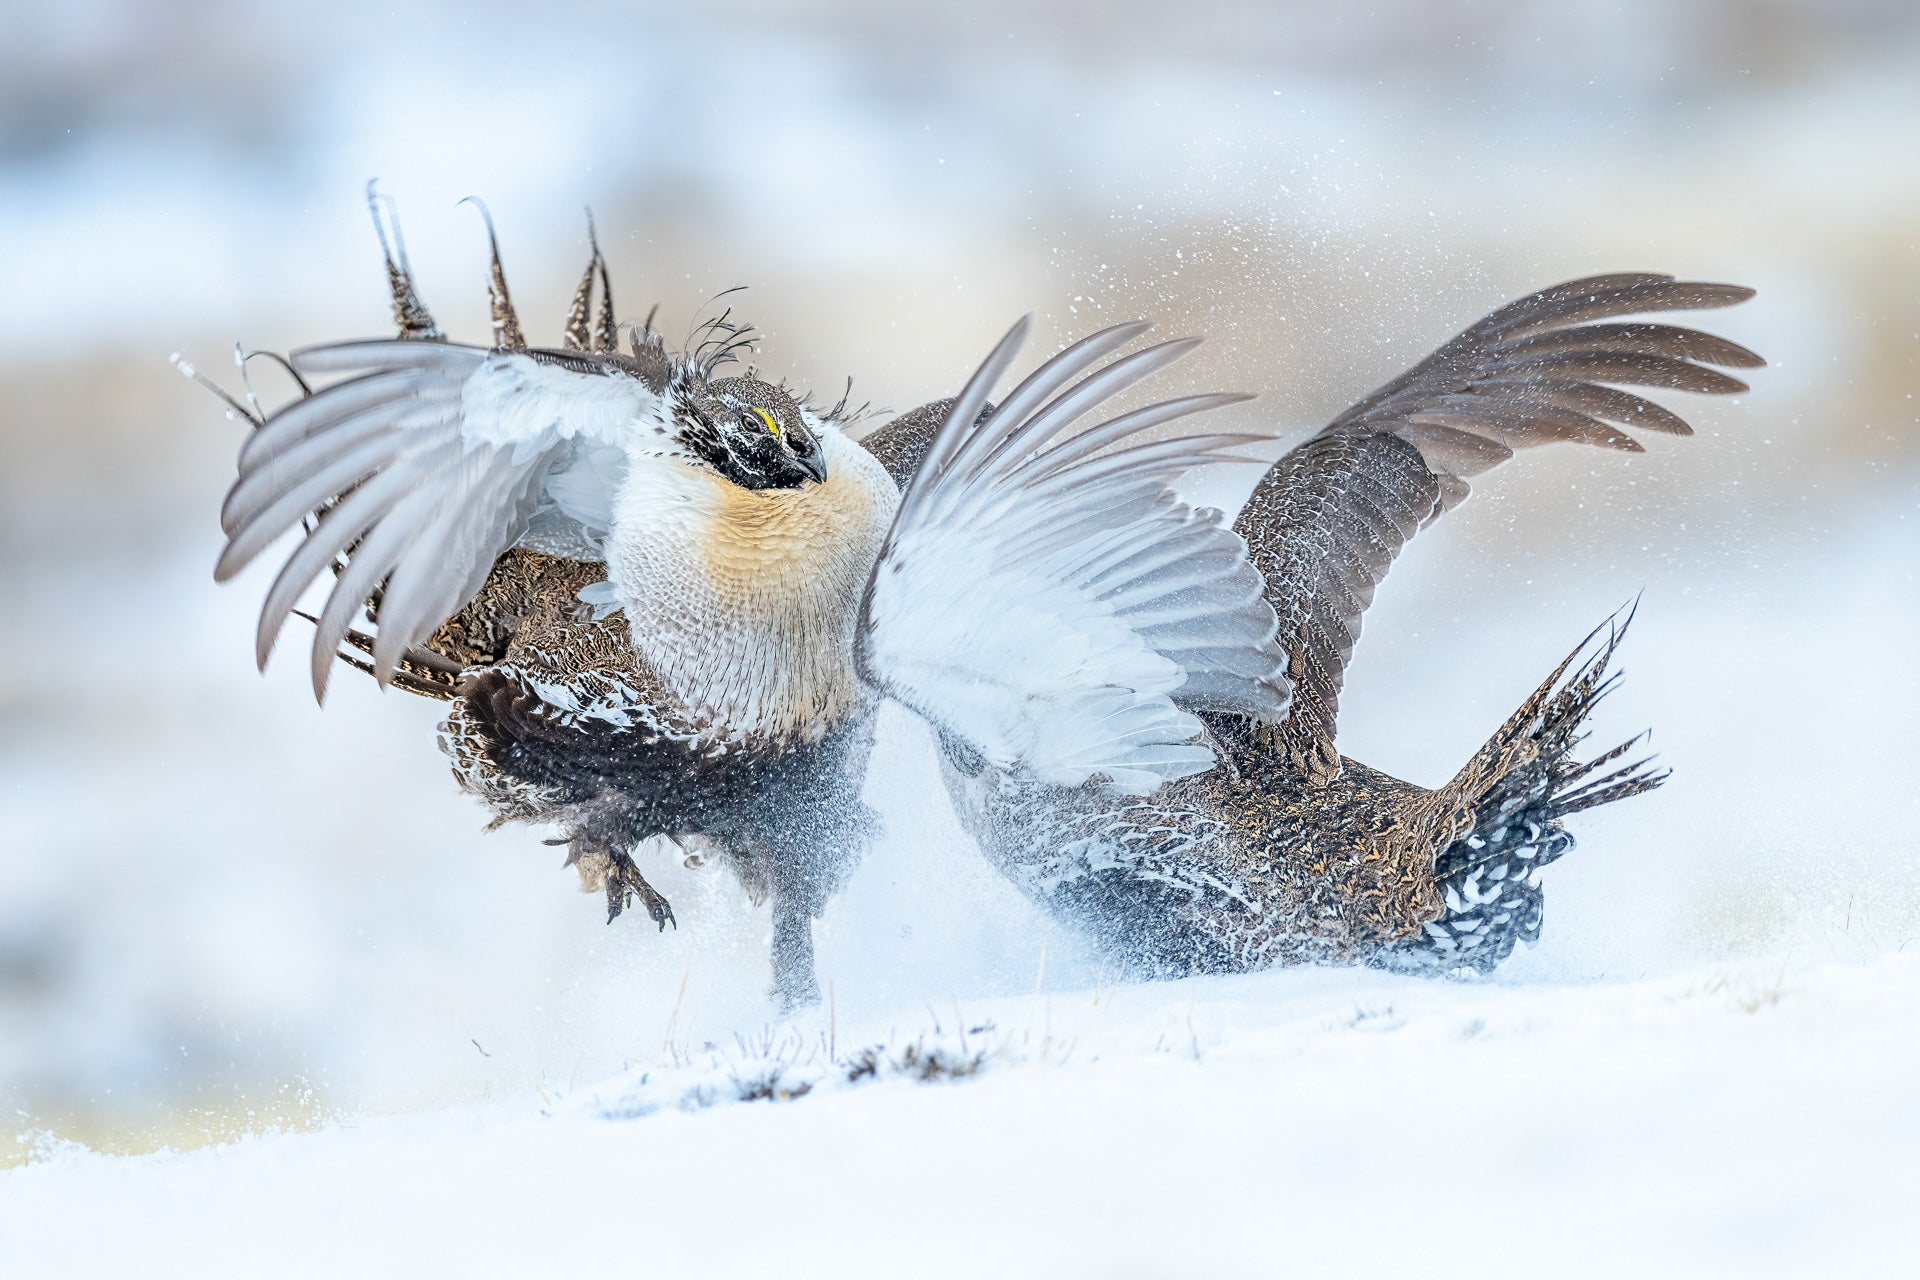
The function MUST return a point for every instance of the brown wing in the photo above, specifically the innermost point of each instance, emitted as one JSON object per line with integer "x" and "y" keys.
{"x": 1326, "y": 522}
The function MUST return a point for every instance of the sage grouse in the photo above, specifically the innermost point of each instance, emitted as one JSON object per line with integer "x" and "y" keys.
{"x": 1289, "y": 852}
{"x": 642, "y": 586}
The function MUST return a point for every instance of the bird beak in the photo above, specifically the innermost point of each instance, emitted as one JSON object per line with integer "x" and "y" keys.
{"x": 813, "y": 461}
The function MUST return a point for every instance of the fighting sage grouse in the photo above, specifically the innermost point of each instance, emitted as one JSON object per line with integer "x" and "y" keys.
{"x": 642, "y": 587}
{"x": 1287, "y": 851}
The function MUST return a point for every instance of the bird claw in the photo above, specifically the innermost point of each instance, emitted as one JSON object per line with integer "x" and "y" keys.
{"x": 625, "y": 883}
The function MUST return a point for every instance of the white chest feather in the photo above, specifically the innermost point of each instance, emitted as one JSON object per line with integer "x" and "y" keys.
{"x": 743, "y": 601}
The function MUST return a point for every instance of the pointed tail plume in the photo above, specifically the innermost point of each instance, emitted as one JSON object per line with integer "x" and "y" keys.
{"x": 606, "y": 332}
{"x": 600, "y": 333}
{"x": 578, "y": 335}
{"x": 410, "y": 314}
{"x": 507, "y": 334}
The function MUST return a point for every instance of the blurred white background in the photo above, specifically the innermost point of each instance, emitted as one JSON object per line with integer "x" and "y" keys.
{"x": 222, "y": 908}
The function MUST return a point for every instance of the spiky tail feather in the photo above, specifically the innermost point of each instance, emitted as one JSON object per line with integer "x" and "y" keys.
{"x": 422, "y": 670}
{"x": 1511, "y": 799}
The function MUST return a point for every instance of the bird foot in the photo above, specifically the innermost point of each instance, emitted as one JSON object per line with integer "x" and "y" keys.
{"x": 606, "y": 870}
{"x": 625, "y": 883}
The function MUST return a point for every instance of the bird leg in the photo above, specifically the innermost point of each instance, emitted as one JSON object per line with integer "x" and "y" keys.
{"x": 794, "y": 984}
{"x": 602, "y": 866}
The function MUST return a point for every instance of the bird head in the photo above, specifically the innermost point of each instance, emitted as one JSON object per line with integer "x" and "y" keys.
{"x": 751, "y": 432}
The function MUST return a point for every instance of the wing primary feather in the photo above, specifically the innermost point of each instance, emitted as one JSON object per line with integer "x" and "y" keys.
{"x": 375, "y": 355}
{"x": 1046, "y": 600}
{"x": 425, "y": 587}
{"x": 1040, "y": 385}
{"x": 972, "y": 399}
{"x": 271, "y": 477}
{"x": 336, "y": 530}
{"x": 1074, "y": 403}
{"x": 1158, "y": 458}
{"x": 1623, "y": 407}
{"x": 1107, "y": 434}
{"x": 257, "y": 529}
{"x": 279, "y": 499}
{"x": 1643, "y": 337}
{"x": 1631, "y": 368}
{"x": 332, "y": 405}
{"x": 370, "y": 562}
{"x": 1553, "y": 300}
{"x": 1666, "y": 294}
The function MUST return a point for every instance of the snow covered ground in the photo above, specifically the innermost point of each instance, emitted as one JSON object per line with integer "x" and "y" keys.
{"x": 1731, "y": 1121}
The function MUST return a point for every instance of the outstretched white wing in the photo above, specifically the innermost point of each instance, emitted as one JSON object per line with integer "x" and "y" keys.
{"x": 428, "y": 465}
{"x": 1052, "y": 602}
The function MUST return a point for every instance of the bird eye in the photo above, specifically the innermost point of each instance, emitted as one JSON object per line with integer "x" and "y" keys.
{"x": 772, "y": 423}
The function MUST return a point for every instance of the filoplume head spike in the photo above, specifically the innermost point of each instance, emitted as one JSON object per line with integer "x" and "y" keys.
{"x": 410, "y": 314}
{"x": 507, "y": 334}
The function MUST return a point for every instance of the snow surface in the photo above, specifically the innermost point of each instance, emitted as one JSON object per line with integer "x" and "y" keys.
{"x": 1725, "y": 1122}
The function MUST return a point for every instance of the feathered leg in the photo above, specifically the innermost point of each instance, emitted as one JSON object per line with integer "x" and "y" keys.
{"x": 794, "y": 983}
{"x": 799, "y": 860}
